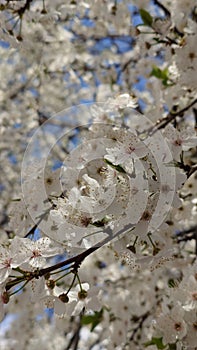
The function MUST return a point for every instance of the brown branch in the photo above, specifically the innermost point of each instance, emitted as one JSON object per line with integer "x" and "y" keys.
{"x": 76, "y": 336}
{"x": 188, "y": 235}
{"x": 141, "y": 320}
{"x": 192, "y": 170}
{"x": 78, "y": 259}
{"x": 168, "y": 14}
{"x": 22, "y": 9}
{"x": 165, "y": 10}
{"x": 75, "y": 260}
{"x": 161, "y": 123}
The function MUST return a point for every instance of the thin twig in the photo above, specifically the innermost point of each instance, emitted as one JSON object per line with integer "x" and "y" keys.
{"x": 139, "y": 326}
{"x": 77, "y": 259}
{"x": 161, "y": 123}
{"x": 76, "y": 336}
{"x": 165, "y": 10}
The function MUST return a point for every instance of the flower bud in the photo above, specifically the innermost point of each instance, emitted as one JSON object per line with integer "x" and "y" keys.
{"x": 64, "y": 298}
{"x": 50, "y": 284}
{"x": 82, "y": 294}
{"x": 5, "y": 297}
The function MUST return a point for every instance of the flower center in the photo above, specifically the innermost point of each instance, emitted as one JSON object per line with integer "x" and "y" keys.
{"x": 35, "y": 254}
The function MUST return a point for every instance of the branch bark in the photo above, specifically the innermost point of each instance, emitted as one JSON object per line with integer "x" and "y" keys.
{"x": 162, "y": 123}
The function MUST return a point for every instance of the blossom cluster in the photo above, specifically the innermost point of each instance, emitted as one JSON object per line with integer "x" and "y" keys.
{"x": 98, "y": 238}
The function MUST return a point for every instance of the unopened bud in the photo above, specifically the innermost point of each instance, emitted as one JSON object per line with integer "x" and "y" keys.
{"x": 50, "y": 284}
{"x": 5, "y": 297}
{"x": 82, "y": 294}
{"x": 64, "y": 298}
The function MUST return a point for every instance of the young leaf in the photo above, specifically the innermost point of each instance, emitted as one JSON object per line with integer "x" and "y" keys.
{"x": 93, "y": 319}
{"x": 156, "y": 341}
{"x": 119, "y": 168}
{"x": 160, "y": 74}
{"x": 146, "y": 17}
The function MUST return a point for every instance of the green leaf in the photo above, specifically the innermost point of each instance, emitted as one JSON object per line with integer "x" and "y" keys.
{"x": 160, "y": 74}
{"x": 93, "y": 319}
{"x": 119, "y": 168}
{"x": 156, "y": 341}
{"x": 146, "y": 17}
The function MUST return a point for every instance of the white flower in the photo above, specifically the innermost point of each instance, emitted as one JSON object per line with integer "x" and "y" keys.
{"x": 186, "y": 56}
{"x": 118, "y": 332}
{"x": 186, "y": 293}
{"x": 180, "y": 140}
{"x": 190, "y": 338}
{"x": 173, "y": 72}
{"x": 169, "y": 182}
{"x": 36, "y": 288}
{"x": 52, "y": 182}
{"x": 11, "y": 257}
{"x": 73, "y": 302}
{"x": 6, "y": 263}
{"x": 126, "y": 100}
{"x": 124, "y": 152}
{"x": 99, "y": 197}
{"x": 85, "y": 298}
{"x": 37, "y": 251}
{"x": 172, "y": 325}
{"x": 58, "y": 299}
{"x": 161, "y": 26}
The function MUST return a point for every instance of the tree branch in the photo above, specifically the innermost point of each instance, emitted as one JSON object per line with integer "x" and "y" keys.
{"x": 139, "y": 326}
{"x": 165, "y": 10}
{"x": 78, "y": 259}
{"x": 76, "y": 336}
{"x": 161, "y": 123}
{"x": 75, "y": 260}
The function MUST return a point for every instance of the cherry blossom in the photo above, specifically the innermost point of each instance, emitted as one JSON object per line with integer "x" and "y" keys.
{"x": 98, "y": 175}
{"x": 11, "y": 257}
{"x": 125, "y": 100}
{"x": 180, "y": 140}
{"x": 172, "y": 325}
{"x": 37, "y": 252}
